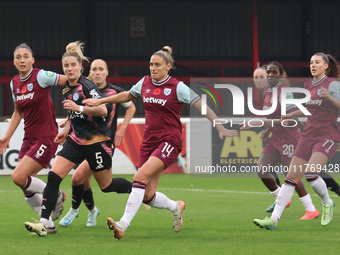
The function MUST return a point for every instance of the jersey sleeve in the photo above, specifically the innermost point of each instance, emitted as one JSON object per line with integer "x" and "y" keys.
{"x": 11, "y": 86}
{"x": 47, "y": 78}
{"x": 289, "y": 95}
{"x": 334, "y": 89}
{"x": 126, "y": 104}
{"x": 186, "y": 95}
{"x": 136, "y": 89}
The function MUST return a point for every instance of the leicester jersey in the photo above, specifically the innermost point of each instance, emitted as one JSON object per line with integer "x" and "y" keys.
{"x": 86, "y": 129}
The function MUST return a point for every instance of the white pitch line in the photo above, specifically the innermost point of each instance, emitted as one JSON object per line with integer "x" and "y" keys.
{"x": 229, "y": 191}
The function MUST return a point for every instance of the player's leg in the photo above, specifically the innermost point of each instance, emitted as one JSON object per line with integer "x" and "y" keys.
{"x": 319, "y": 160}
{"x": 265, "y": 163}
{"x": 294, "y": 175}
{"x": 82, "y": 173}
{"x": 305, "y": 198}
{"x": 330, "y": 182}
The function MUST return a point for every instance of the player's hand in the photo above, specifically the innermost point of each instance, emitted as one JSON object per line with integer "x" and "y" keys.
{"x": 227, "y": 132}
{"x": 91, "y": 102}
{"x": 60, "y": 138}
{"x": 324, "y": 93}
{"x": 63, "y": 123}
{"x": 119, "y": 137}
{"x": 70, "y": 105}
{"x": 4, "y": 141}
{"x": 244, "y": 126}
{"x": 287, "y": 116}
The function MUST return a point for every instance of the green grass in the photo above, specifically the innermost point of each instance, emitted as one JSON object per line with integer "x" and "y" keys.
{"x": 217, "y": 220}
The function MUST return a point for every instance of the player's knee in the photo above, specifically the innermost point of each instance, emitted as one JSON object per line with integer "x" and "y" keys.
{"x": 18, "y": 179}
{"x": 76, "y": 181}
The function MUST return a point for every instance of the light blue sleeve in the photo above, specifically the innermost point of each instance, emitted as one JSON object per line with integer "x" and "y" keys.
{"x": 289, "y": 95}
{"x": 334, "y": 89}
{"x": 185, "y": 94}
{"x": 11, "y": 86}
{"x": 47, "y": 78}
{"x": 136, "y": 89}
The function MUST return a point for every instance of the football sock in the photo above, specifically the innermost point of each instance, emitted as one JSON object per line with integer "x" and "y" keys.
{"x": 77, "y": 195}
{"x": 88, "y": 199}
{"x": 161, "y": 201}
{"x": 275, "y": 192}
{"x": 34, "y": 184}
{"x": 283, "y": 198}
{"x": 50, "y": 194}
{"x": 308, "y": 203}
{"x": 320, "y": 188}
{"x": 134, "y": 201}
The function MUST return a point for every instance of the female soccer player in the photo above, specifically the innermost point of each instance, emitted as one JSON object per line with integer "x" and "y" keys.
{"x": 164, "y": 98}
{"x": 81, "y": 179}
{"x": 280, "y": 147}
{"x": 318, "y": 142}
{"x": 31, "y": 95}
{"x": 89, "y": 139}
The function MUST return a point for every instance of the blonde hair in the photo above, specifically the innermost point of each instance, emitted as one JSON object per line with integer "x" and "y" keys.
{"x": 166, "y": 54}
{"x": 75, "y": 49}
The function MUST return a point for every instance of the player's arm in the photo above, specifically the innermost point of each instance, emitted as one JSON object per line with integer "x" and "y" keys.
{"x": 222, "y": 131}
{"x": 115, "y": 99}
{"x": 62, "y": 80}
{"x": 13, "y": 124}
{"x": 97, "y": 111}
{"x": 332, "y": 94}
{"x": 130, "y": 112}
{"x": 60, "y": 137}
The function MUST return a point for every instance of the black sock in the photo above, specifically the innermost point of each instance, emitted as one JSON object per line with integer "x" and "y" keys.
{"x": 330, "y": 182}
{"x": 119, "y": 185}
{"x": 77, "y": 195}
{"x": 276, "y": 178}
{"x": 88, "y": 199}
{"x": 50, "y": 194}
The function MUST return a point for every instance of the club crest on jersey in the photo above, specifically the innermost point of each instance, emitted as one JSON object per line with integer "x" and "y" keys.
{"x": 75, "y": 97}
{"x": 318, "y": 92}
{"x": 148, "y": 91}
{"x": 30, "y": 86}
{"x": 167, "y": 91}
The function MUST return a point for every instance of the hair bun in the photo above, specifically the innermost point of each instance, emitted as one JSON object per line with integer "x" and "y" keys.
{"x": 167, "y": 49}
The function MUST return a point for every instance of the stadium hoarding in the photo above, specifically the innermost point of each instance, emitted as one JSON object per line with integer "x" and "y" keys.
{"x": 124, "y": 160}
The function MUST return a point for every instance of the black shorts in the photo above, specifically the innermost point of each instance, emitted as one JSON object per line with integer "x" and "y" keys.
{"x": 98, "y": 155}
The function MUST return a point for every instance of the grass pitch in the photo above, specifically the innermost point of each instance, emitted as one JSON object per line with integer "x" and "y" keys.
{"x": 218, "y": 219}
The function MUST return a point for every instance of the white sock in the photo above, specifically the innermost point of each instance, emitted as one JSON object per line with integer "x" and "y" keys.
{"x": 275, "y": 192}
{"x": 36, "y": 185}
{"x": 308, "y": 203}
{"x": 282, "y": 200}
{"x": 320, "y": 188}
{"x": 134, "y": 202}
{"x": 161, "y": 201}
{"x": 48, "y": 223}
{"x": 35, "y": 202}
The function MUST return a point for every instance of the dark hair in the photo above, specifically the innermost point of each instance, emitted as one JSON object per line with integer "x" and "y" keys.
{"x": 24, "y": 45}
{"x": 280, "y": 67}
{"x": 333, "y": 69}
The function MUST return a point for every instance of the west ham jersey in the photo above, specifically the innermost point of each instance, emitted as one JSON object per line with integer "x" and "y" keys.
{"x": 279, "y": 132}
{"x": 163, "y": 103}
{"x": 86, "y": 129}
{"x": 32, "y": 96}
{"x": 322, "y": 124}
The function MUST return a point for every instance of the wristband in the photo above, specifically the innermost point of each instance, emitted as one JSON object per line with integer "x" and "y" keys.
{"x": 81, "y": 108}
